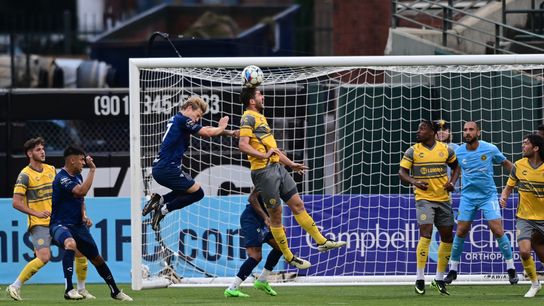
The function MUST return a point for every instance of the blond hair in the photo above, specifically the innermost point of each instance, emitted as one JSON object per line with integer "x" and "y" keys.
{"x": 195, "y": 102}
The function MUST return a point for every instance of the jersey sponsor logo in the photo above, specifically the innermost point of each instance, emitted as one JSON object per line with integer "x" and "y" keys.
{"x": 431, "y": 170}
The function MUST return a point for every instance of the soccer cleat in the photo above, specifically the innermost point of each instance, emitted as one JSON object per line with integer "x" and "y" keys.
{"x": 72, "y": 295}
{"x": 420, "y": 286}
{"x": 153, "y": 202}
{"x": 452, "y": 275}
{"x": 533, "y": 291}
{"x": 299, "y": 263}
{"x": 121, "y": 296}
{"x": 86, "y": 294}
{"x": 14, "y": 293}
{"x": 512, "y": 276}
{"x": 156, "y": 219}
{"x": 330, "y": 245}
{"x": 440, "y": 285}
{"x": 234, "y": 293}
{"x": 265, "y": 286}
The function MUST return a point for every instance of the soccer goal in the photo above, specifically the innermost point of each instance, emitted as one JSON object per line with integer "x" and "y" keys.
{"x": 349, "y": 119}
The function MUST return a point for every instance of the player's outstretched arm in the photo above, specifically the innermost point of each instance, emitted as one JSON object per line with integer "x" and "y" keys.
{"x": 210, "y": 131}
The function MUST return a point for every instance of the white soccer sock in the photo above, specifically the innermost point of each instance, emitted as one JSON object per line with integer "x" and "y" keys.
{"x": 164, "y": 210}
{"x": 439, "y": 276}
{"x": 17, "y": 283}
{"x": 80, "y": 285}
{"x": 420, "y": 274}
{"x": 454, "y": 265}
{"x": 510, "y": 264}
{"x": 236, "y": 284}
{"x": 535, "y": 284}
{"x": 264, "y": 275}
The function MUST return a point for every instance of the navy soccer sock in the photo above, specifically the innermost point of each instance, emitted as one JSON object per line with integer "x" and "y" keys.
{"x": 68, "y": 268}
{"x": 247, "y": 267}
{"x": 272, "y": 259}
{"x": 105, "y": 273}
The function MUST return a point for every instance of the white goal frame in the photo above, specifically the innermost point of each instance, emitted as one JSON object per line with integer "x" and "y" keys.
{"x": 135, "y": 64}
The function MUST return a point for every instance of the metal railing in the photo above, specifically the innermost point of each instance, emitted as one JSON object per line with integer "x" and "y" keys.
{"x": 501, "y": 42}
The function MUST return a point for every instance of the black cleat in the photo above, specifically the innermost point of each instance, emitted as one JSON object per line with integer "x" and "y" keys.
{"x": 440, "y": 285}
{"x": 512, "y": 276}
{"x": 452, "y": 275}
{"x": 151, "y": 204}
{"x": 420, "y": 287}
{"x": 156, "y": 218}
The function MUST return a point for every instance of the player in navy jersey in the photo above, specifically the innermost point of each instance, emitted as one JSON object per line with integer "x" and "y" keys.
{"x": 255, "y": 224}
{"x": 479, "y": 192}
{"x": 167, "y": 167}
{"x": 68, "y": 226}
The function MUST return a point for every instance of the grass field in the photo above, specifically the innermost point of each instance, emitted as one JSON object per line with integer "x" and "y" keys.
{"x": 490, "y": 295}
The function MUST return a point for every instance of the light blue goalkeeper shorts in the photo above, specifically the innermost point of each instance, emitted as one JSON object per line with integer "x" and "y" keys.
{"x": 490, "y": 209}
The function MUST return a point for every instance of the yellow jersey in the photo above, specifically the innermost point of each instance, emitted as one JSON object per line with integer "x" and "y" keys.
{"x": 430, "y": 165}
{"x": 255, "y": 126}
{"x": 37, "y": 188}
{"x": 530, "y": 183}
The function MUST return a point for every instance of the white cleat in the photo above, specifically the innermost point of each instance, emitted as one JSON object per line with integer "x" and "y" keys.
{"x": 121, "y": 296}
{"x": 73, "y": 295}
{"x": 330, "y": 245}
{"x": 533, "y": 291}
{"x": 86, "y": 294}
{"x": 14, "y": 293}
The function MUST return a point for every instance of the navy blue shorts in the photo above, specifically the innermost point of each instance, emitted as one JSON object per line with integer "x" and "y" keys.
{"x": 254, "y": 230}
{"x": 84, "y": 241}
{"x": 171, "y": 176}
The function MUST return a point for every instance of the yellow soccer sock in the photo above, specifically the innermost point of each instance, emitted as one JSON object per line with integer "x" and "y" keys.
{"x": 444, "y": 253}
{"x": 81, "y": 268}
{"x": 422, "y": 252}
{"x": 530, "y": 268}
{"x": 30, "y": 269}
{"x": 281, "y": 239}
{"x": 308, "y": 224}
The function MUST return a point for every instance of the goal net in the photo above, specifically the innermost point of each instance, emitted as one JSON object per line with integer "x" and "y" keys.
{"x": 349, "y": 119}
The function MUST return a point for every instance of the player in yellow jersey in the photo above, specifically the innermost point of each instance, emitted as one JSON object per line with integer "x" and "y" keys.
{"x": 427, "y": 161}
{"x": 32, "y": 196}
{"x": 272, "y": 180}
{"x": 527, "y": 175}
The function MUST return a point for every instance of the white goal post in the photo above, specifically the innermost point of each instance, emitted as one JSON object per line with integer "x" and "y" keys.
{"x": 349, "y": 119}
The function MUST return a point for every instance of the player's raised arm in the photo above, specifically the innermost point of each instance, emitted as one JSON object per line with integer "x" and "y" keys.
{"x": 210, "y": 131}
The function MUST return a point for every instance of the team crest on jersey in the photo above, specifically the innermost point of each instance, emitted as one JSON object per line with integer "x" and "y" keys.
{"x": 484, "y": 157}
{"x": 441, "y": 154}
{"x": 189, "y": 123}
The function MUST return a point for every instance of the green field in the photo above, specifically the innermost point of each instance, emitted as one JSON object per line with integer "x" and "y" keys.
{"x": 490, "y": 295}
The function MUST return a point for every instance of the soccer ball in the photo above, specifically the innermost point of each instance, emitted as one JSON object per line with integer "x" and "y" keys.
{"x": 252, "y": 76}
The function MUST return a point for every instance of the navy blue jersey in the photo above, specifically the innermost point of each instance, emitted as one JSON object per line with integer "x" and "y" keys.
{"x": 177, "y": 138}
{"x": 67, "y": 208}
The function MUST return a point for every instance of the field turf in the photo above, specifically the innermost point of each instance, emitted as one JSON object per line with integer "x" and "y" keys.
{"x": 349, "y": 295}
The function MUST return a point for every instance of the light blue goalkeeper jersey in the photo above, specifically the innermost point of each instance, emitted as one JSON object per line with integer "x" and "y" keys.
{"x": 477, "y": 170}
